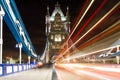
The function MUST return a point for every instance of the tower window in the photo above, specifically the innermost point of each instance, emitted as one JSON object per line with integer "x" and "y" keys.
{"x": 51, "y": 36}
{"x": 63, "y": 37}
{"x": 58, "y": 38}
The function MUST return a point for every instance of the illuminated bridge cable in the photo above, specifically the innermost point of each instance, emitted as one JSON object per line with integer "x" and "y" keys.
{"x": 90, "y": 29}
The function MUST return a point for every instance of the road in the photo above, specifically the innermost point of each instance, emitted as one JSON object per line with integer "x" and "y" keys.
{"x": 87, "y": 72}
{"x": 34, "y": 74}
{"x": 69, "y": 72}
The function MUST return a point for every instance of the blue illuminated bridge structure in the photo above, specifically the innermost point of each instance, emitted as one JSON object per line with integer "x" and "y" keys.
{"x": 93, "y": 51}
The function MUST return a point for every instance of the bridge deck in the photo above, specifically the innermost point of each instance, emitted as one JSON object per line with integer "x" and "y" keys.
{"x": 34, "y": 74}
{"x": 69, "y": 72}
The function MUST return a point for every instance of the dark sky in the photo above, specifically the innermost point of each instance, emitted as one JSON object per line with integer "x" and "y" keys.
{"x": 33, "y": 15}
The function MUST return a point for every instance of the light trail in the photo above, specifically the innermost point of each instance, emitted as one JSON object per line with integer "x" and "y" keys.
{"x": 86, "y": 54}
{"x": 101, "y": 50}
{"x": 101, "y": 35}
{"x": 83, "y": 27}
{"x": 72, "y": 72}
{"x": 90, "y": 29}
{"x": 79, "y": 20}
{"x": 89, "y": 19}
{"x": 74, "y": 26}
{"x": 103, "y": 46}
{"x": 104, "y": 67}
{"x": 104, "y": 17}
{"x": 100, "y": 71}
{"x": 67, "y": 39}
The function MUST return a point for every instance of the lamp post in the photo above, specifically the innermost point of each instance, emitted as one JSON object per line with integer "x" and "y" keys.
{"x": 29, "y": 57}
{"x": 20, "y": 51}
{"x": 1, "y": 32}
{"x": 34, "y": 61}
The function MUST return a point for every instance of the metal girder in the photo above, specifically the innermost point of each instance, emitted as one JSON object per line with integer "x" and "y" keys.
{"x": 16, "y": 26}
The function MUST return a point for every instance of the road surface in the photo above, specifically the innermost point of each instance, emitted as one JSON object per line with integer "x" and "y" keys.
{"x": 87, "y": 72}
{"x": 69, "y": 72}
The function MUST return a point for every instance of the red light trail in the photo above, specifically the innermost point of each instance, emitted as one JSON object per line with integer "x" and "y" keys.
{"x": 105, "y": 16}
{"x": 79, "y": 16}
{"x": 85, "y": 25}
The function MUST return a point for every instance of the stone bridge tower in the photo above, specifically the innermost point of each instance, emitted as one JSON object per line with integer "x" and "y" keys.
{"x": 57, "y": 29}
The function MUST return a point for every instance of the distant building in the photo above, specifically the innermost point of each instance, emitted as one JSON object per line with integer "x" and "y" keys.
{"x": 57, "y": 29}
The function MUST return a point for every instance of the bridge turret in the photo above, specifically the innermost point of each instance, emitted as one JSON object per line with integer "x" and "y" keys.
{"x": 57, "y": 29}
{"x": 68, "y": 19}
{"x": 47, "y": 22}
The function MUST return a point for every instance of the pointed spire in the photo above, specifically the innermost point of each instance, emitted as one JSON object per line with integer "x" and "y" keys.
{"x": 67, "y": 13}
{"x": 57, "y": 5}
{"x": 67, "y": 8}
{"x": 48, "y": 10}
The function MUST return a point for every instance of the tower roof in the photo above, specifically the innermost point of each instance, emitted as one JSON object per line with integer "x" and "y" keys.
{"x": 57, "y": 10}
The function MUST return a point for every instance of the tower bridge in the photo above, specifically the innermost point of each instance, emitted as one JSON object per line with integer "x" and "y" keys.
{"x": 87, "y": 50}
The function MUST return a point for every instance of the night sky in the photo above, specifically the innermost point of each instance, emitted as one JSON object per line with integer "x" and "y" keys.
{"x": 33, "y": 15}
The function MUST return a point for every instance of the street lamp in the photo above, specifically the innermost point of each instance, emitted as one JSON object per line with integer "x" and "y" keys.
{"x": 1, "y": 32}
{"x": 19, "y": 45}
{"x": 29, "y": 57}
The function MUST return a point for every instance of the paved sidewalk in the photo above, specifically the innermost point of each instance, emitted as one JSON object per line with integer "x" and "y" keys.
{"x": 34, "y": 74}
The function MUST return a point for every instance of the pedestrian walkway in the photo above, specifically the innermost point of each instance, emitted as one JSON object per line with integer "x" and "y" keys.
{"x": 34, "y": 74}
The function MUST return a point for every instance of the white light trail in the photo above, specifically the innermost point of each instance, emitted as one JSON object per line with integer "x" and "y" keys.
{"x": 94, "y": 52}
{"x": 101, "y": 50}
{"x": 90, "y": 29}
{"x": 112, "y": 26}
{"x": 80, "y": 20}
